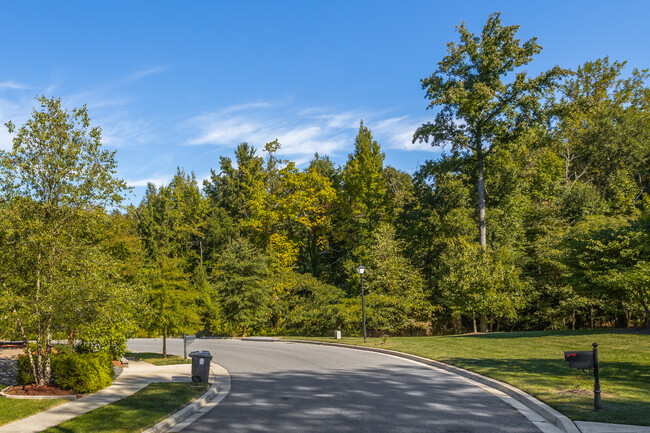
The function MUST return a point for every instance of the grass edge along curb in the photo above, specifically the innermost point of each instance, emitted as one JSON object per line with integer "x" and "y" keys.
{"x": 185, "y": 412}
{"x": 553, "y": 416}
{"x": 157, "y": 360}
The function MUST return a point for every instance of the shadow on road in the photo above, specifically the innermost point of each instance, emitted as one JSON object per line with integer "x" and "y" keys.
{"x": 395, "y": 399}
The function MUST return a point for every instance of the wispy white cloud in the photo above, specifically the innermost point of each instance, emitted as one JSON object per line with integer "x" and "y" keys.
{"x": 14, "y": 85}
{"x": 217, "y": 129}
{"x": 157, "y": 181}
{"x": 145, "y": 72}
{"x": 121, "y": 131}
{"x": 335, "y": 120}
{"x": 397, "y": 133}
{"x": 248, "y": 106}
{"x": 308, "y": 131}
{"x": 300, "y": 139}
{"x": 95, "y": 100}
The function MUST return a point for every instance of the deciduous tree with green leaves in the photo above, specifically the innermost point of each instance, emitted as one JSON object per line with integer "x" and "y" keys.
{"x": 477, "y": 282}
{"x": 242, "y": 287}
{"x": 604, "y": 131}
{"x": 610, "y": 257}
{"x": 171, "y": 302}
{"x": 485, "y": 102}
{"x": 171, "y": 221}
{"x": 394, "y": 287}
{"x": 56, "y": 183}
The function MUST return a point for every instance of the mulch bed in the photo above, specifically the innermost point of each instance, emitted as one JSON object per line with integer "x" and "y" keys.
{"x": 36, "y": 390}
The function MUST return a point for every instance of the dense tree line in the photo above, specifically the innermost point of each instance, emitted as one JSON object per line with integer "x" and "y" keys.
{"x": 536, "y": 216}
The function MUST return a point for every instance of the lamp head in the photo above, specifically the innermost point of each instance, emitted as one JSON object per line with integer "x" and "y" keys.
{"x": 361, "y": 269}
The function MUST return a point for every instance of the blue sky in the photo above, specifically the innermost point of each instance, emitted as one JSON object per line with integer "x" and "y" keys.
{"x": 182, "y": 83}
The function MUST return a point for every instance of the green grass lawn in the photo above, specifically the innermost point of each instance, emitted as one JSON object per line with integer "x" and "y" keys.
{"x": 161, "y": 401}
{"x": 157, "y": 358}
{"x": 136, "y": 413}
{"x": 534, "y": 362}
{"x": 14, "y": 409}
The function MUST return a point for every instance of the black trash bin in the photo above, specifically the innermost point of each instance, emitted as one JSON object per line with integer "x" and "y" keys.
{"x": 201, "y": 365}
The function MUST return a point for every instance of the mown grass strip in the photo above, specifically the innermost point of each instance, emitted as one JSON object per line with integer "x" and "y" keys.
{"x": 534, "y": 362}
{"x": 136, "y": 413}
{"x": 15, "y": 409}
{"x": 157, "y": 358}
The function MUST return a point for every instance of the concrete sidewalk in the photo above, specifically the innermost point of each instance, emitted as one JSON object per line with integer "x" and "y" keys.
{"x": 599, "y": 427}
{"x": 135, "y": 377}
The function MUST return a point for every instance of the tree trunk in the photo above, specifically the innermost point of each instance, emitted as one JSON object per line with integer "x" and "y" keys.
{"x": 474, "y": 322}
{"x": 573, "y": 323}
{"x": 165, "y": 343}
{"x": 23, "y": 334}
{"x": 481, "y": 202}
{"x": 456, "y": 325}
{"x": 47, "y": 371}
{"x": 641, "y": 296}
{"x": 484, "y": 323}
{"x": 38, "y": 367}
{"x": 243, "y": 332}
{"x": 39, "y": 376}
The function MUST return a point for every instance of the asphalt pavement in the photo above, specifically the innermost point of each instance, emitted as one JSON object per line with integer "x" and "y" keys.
{"x": 287, "y": 387}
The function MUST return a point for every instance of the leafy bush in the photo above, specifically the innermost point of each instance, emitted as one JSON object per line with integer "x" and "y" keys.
{"x": 24, "y": 374}
{"x": 84, "y": 347}
{"x": 82, "y": 373}
{"x": 109, "y": 338}
{"x": 63, "y": 348}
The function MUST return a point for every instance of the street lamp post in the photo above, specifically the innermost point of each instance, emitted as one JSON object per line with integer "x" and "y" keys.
{"x": 361, "y": 269}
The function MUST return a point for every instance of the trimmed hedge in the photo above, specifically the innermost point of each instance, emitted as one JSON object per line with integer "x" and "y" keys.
{"x": 81, "y": 373}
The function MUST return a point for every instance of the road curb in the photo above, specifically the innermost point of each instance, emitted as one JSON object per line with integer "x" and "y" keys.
{"x": 187, "y": 411}
{"x": 553, "y": 416}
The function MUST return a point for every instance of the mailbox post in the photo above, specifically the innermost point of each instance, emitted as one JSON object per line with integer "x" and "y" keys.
{"x": 597, "y": 405}
{"x": 187, "y": 339}
{"x": 586, "y": 360}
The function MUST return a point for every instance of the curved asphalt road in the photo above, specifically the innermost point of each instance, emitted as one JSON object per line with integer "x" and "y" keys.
{"x": 289, "y": 387}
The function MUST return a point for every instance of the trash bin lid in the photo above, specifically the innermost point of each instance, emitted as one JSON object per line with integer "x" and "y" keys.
{"x": 201, "y": 354}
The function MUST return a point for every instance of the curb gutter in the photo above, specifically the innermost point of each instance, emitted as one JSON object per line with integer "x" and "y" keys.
{"x": 550, "y": 414}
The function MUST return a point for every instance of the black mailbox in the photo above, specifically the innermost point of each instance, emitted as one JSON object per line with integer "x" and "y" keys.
{"x": 587, "y": 361}
{"x": 584, "y": 360}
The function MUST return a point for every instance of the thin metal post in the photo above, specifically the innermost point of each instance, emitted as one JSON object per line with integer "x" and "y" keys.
{"x": 597, "y": 404}
{"x": 363, "y": 310}
{"x": 184, "y": 346}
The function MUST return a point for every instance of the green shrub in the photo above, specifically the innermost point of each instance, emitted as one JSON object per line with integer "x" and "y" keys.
{"x": 24, "y": 374}
{"x": 114, "y": 345}
{"x": 63, "y": 348}
{"x": 84, "y": 347}
{"x": 82, "y": 373}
